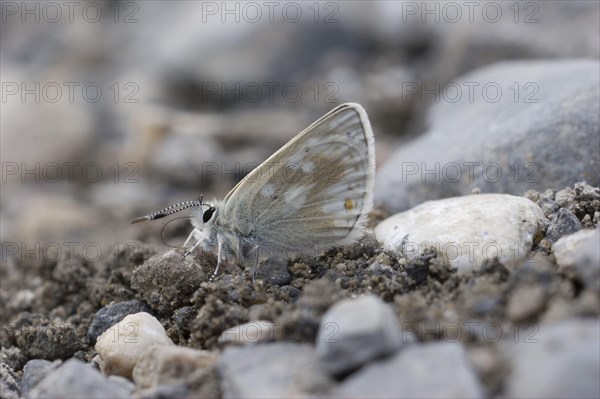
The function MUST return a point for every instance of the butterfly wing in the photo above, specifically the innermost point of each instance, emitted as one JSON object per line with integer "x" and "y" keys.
{"x": 316, "y": 190}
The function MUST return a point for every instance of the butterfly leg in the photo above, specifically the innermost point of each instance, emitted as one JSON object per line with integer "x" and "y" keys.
{"x": 191, "y": 249}
{"x": 190, "y": 237}
{"x": 219, "y": 253}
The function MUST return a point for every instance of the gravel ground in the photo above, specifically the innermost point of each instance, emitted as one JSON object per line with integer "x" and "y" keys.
{"x": 53, "y": 310}
{"x": 92, "y": 306}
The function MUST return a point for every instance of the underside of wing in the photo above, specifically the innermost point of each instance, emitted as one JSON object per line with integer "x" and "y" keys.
{"x": 316, "y": 190}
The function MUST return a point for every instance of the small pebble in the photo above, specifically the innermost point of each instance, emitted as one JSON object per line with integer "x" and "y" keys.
{"x": 354, "y": 331}
{"x": 563, "y": 223}
{"x": 120, "y": 346}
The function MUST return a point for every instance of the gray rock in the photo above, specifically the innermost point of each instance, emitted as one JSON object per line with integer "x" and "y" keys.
{"x": 75, "y": 379}
{"x": 274, "y": 271}
{"x": 548, "y": 206}
{"x": 561, "y": 360}
{"x": 467, "y": 231}
{"x": 271, "y": 370}
{"x": 502, "y": 144}
{"x": 9, "y": 387}
{"x": 110, "y": 315}
{"x": 354, "y": 331}
{"x": 35, "y": 371}
{"x": 438, "y": 370}
{"x": 563, "y": 223}
{"x": 580, "y": 253}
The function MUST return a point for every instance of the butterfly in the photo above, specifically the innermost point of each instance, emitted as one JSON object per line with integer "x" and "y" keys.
{"x": 316, "y": 191}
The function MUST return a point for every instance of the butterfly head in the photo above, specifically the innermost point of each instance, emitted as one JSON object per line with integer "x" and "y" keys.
{"x": 204, "y": 216}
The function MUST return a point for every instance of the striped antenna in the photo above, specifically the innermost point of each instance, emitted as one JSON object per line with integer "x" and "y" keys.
{"x": 169, "y": 210}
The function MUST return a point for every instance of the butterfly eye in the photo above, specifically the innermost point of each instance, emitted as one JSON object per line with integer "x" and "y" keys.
{"x": 208, "y": 214}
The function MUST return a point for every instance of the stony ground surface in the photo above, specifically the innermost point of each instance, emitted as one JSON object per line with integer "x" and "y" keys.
{"x": 56, "y": 311}
{"x": 369, "y": 320}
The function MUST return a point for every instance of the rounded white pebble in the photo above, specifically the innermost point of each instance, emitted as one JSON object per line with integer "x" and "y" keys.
{"x": 467, "y": 230}
{"x": 120, "y": 346}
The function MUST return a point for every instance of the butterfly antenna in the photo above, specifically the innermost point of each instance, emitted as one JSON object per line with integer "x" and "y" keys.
{"x": 169, "y": 210}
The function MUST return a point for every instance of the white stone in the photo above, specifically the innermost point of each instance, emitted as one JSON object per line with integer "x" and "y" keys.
{"x": 354, "y": 331}
{"x": 467, "y": 230}
{"x": 120, "y": 346}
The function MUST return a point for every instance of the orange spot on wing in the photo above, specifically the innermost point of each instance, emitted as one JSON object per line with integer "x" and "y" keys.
{"x": 348, "y": 204}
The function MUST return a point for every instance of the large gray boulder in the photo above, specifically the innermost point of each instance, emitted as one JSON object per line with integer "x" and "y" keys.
{"x": 506, "y": 128}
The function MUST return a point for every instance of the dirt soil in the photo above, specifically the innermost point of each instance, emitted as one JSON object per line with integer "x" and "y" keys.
{"x": 48, "y": 307}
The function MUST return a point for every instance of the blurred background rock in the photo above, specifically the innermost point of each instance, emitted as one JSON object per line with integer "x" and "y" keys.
{"x": 111, "y": 110}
